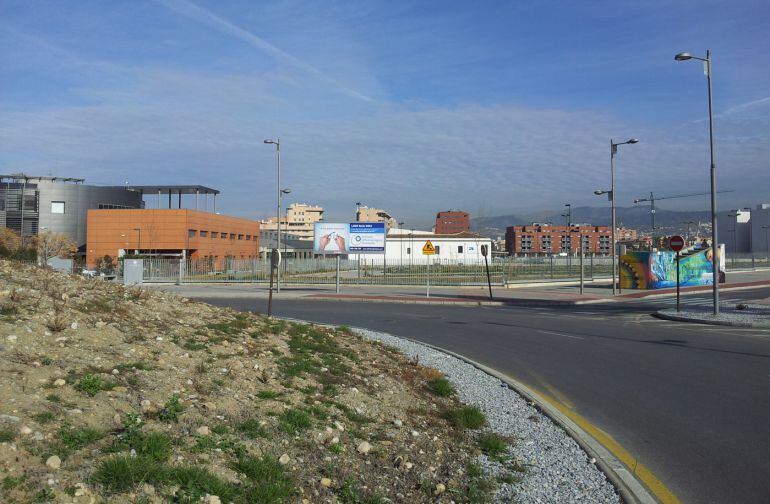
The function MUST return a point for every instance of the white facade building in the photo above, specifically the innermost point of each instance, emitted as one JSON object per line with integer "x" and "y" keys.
{"x": 403, "y": 246}
{"x": 734, "y": 228}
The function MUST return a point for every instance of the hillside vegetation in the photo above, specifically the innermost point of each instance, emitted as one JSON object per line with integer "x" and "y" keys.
{"x": 126, "y": 395}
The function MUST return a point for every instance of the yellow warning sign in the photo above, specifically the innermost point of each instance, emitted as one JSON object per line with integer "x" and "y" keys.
{"x": 428, "y": 248}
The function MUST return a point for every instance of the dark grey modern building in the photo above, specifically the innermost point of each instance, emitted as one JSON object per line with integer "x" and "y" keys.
{"x": 30, "y": 204}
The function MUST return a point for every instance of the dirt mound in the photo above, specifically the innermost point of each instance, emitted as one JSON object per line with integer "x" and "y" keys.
{"x": 126, "y": 395}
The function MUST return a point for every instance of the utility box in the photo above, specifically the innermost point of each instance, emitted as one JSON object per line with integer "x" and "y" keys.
{"x": 133, "y": 271}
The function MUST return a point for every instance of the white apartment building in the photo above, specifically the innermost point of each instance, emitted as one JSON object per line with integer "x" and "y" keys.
{"x": 298, "y": 221}
{"x": 366, "y": 214}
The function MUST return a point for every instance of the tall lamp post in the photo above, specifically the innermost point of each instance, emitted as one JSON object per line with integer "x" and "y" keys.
{"x": 611, "y": 195}
{"x": 280, "y": 205}
{"x": 569, "y": 229}
{"x": 714, "y": 243}
{"x": 139, "y": 244}
{"x": 277, "y": 143}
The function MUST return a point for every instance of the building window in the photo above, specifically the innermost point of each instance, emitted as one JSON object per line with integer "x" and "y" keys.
{"x": 248, "y": 237}
{"x": 240, "y": 237}
{"x": 57, "y": 207}
{"x": 191, "y": 233}
{"x": 214, "y": 234}
{"x": 204, "y": 234}
{"x": 232, "y": 236}
{"x": 459, "y": 249}
{"x": 408, "y": 251}
{"x": 223, "y": 236}
{"x": 438, "y": 250}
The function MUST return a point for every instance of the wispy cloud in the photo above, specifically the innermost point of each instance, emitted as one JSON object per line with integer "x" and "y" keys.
{"x": 198, "y": 13}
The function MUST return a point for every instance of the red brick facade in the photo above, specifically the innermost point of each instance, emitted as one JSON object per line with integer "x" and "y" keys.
{"x": 540, "y": 239}
{"x": 452, "y": 222}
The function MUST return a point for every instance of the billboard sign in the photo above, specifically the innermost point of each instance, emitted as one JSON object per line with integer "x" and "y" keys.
{"x": 349, "y": 238}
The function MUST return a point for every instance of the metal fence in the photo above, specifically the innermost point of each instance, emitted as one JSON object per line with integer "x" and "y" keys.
{"x": 374, "y": 272}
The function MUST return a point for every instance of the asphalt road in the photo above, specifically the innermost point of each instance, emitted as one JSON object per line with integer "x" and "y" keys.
{"x": 690, "y": 402}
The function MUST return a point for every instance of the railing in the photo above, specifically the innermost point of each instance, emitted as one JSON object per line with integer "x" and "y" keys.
{"x": 374, "y": 272}
{"x": 747, "y": 261}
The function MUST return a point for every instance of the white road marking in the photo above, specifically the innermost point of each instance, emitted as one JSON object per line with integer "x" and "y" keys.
{"x": 560, "y": 334}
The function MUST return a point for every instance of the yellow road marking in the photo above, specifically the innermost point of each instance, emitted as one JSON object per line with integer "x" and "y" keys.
{"x": 662, "y": 493}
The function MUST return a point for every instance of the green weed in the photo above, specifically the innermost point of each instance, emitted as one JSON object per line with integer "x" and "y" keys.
{"x": 91, "y": 385}
{"x": 43, "y": 417}
{"x": 466, "y": 417}
{"x": 493, "y": 446}
{"x": 268, "y": 394}
{"x": 171, "y": 410}
{"x": 268, "y": 483}
{"x": 252, "y": 428}
{"x": 441, "y": 387}
{"x": 294, "y": 420}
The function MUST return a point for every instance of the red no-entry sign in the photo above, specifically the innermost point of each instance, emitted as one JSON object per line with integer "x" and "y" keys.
{"x": 676, "y": 243}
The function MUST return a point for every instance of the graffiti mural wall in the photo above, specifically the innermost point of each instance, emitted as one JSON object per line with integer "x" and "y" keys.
{"x": 657, "y": 270}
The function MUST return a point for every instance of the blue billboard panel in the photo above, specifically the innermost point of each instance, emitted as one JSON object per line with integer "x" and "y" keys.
{"x": 346, "y": 238}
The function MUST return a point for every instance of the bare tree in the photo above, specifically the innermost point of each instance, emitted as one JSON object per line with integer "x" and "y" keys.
{"x": 50, "y": 244}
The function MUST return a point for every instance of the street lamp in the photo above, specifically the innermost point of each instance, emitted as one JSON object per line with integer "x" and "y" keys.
{"x": 611, "y": 195}
{"x": 139, "y": 244}
{"x": 277, "y": 143}
{"x": 651, "y": 199}
{"x": 684, "y": 56}
{"x": 735, "y": 226}
{"x": 280, "y": 205}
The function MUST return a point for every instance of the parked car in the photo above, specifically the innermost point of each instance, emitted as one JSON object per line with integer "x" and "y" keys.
{"x": 89, "y": 273}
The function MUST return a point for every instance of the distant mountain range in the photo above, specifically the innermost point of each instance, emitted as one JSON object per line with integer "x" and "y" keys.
{"x": 637, "y": 217}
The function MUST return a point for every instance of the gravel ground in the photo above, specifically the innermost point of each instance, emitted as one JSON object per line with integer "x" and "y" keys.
{"x": 556, "y": 469}
{"x": 749, "y": 316}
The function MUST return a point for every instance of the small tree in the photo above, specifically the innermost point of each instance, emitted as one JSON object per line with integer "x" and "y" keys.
{"x": 10, "y": 246}
{"x": 106, "y": 265}
{"x": 50, "y": 244}
{"x": 9, "y": 240}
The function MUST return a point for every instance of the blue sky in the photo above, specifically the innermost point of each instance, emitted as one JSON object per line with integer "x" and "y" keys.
{"x": 490, "y": 107}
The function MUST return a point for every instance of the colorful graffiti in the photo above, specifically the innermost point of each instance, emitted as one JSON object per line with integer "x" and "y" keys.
{"x": 657, "y": 270}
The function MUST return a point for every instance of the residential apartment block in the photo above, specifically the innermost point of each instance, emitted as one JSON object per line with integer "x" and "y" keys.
{"x": 366, "y": 214}
{"x": 298, "y": 221}
{"x": 545, "y": 239}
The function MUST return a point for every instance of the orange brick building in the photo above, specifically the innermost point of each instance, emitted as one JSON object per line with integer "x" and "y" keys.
{"x": 190, "y": 233}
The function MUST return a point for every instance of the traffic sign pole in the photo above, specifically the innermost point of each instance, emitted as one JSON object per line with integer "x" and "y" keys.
{"x": 677, "y": 280}
{"x": 676, "y": 243}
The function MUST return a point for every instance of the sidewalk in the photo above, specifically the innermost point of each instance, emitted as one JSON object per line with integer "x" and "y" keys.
{"x": 551, "y": 294}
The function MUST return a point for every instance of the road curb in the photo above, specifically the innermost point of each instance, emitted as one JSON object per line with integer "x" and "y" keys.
{"x": 678, "y": 318}
{"x": 631, "y": 490}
